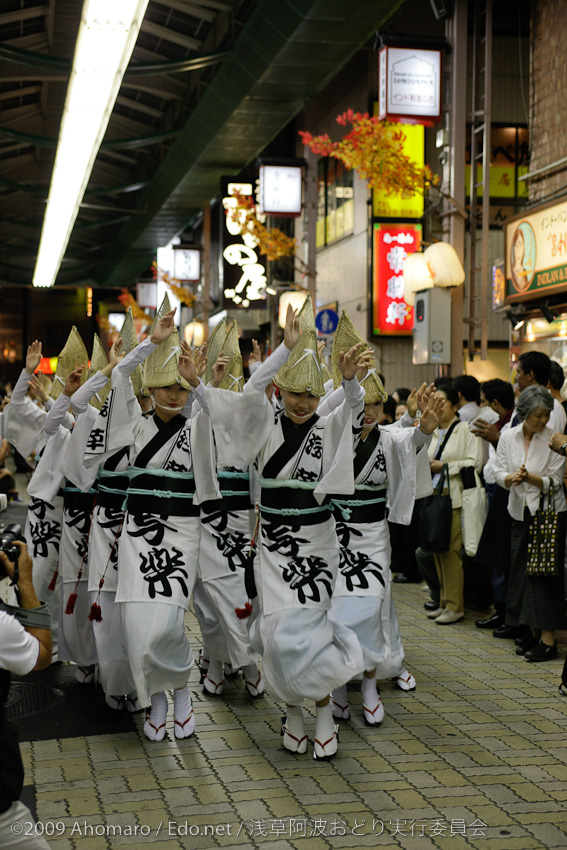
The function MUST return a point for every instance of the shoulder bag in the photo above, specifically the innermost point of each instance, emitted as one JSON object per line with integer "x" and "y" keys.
{"x": 543, "y": 539}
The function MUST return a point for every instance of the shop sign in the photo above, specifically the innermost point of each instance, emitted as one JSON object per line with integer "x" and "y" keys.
{"x": 409, "y": 85}
{"x": 280, "y": 190}
{"x": 392, "y": 243}
{"x": 502, "y": 181}
{"x": 536, "y": 254}
{"x": 243, "y": 275}
{"x": 412, "y": 138}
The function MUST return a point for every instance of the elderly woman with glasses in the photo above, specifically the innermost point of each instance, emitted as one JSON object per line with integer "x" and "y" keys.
{"x": 527, "y": 467}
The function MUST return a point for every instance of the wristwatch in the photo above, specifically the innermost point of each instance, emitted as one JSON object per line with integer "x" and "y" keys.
{"x": 562, "y": 449}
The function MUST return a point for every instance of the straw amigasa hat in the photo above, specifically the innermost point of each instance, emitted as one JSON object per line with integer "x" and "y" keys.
{"x": 72, "y": 355}
{"x": 325, "y": 372}
{"x": 345, "y": 337}
{"x": 231, "y": 345}
{"x": 214, "y": 348}
{"x": 129, "y": 342}
{"x": 233, "y": 375}
{"x": 164, "y": 308}
{"x": 98, "y": 361}
{"x": 128, "y": 333}
{"x": 162, "y": 366}
{"x": 302, "y": 371}
{"x": 306, "y": 316}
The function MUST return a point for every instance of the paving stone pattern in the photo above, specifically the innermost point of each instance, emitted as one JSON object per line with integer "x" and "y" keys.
{"x": 475, "y": 757}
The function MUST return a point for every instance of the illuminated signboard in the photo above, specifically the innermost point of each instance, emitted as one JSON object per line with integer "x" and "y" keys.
{"x": 280, "y": 190}
{"x": 412, "y": 137}
{"x": 409, "y": 85}
{"x": 391, "y": 245}
{"x": 243, "y": 275}
{"x": 187, "y": 263}
{"x": 536, "y": 254}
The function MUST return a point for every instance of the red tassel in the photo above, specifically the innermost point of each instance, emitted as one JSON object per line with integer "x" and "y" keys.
{"x": 101, "y": 583}
{"x": 95, "y": 615}
{"x": 242, "y": 613}
{"x": 53, "y": 581}
{"x": 71, "y": 603}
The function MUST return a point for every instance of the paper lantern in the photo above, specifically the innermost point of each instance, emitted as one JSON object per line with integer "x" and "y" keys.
{"x": 294, "y": 297}
{"x": 444, "y": 264}
{"x": 416, "y": 276}
{"x": 194, "y": 333}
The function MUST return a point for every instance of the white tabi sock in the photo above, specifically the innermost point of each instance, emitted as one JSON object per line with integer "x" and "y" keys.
{"x": 213, "y": 681}
{"x": 371, "y": 702}
{"x": 154, "y": 727}
{"x": 183, "y": 713}
{"x": 339, "y": 703}
{"x": 253, "y": 680}
{"x": 132, "y": 702}
{"x": 325, "y": 726}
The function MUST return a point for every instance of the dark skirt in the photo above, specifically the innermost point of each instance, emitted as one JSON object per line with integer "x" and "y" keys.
{"x": 536, "y": 601}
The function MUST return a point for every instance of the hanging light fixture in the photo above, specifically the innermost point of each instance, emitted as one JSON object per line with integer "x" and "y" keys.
{"x": 416, "y": 276}
{"x": 444, "y": 265}
{"x": 106, "y": 39}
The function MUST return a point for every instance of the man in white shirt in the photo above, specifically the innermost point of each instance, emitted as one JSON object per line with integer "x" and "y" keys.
{"x": 21, "y": 651}
{"x": 468, "y": 389}
{"x": 534, "y": 367}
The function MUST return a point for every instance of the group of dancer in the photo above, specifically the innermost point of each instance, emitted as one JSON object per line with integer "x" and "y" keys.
{"x": 163, "y": 479}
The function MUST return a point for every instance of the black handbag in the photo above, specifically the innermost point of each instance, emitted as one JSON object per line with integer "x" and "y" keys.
{"x": 435, "y": 517}
{"x": 543, "y": 539}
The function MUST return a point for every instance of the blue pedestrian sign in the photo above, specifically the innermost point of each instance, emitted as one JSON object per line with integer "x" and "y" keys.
{"x": 326, "y": 321}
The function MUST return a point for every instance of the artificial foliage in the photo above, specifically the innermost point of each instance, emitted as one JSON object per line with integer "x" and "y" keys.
{"x": 374, "y": 149}
{"x": 270, "y": 241}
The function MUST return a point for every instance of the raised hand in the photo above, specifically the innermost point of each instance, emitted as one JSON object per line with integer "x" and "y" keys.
{"x": 73, "y": 382}
{"x": 349, "y": 361}
{"x": 255, "y": 355}
{"x": 115, "y": 354}
{"x": 33, "y": 357}
{"x": 291, "y": 330}
{"x": 366, "y": 362}
{"x": 219, "y": 369}
{"x": 38, "y": 389}
{"x": 200, "y": 358}
{"x": 187, "y": 367}
{"x": 164, "y": 327}
{"x": 430, "y": 416}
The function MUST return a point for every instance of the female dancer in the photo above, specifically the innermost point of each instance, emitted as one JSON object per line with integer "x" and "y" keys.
{"x": 301, "y": 458}
{"x": 170, "y": 472}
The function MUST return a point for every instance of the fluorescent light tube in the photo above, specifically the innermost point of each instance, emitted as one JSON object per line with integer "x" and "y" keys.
{"x": 106, "y": 39}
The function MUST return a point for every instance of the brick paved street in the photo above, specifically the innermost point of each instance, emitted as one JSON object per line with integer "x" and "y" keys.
{"x": 475, "y": 757}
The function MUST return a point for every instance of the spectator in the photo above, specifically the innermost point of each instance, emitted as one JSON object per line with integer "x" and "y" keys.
{"x": 494, "y": 547}
{"x": 556, "y": 381}
{"x": 527, "y": 466}
{"x": 388, "y": 412}
{"x": 401, "y": 394}
{"x": 534, "y": 367}
{"x": 452, "y": 444}
{"x": 401, "y": 408}
{"x": 468, "y": 389}
{"x": 21, "y": 651}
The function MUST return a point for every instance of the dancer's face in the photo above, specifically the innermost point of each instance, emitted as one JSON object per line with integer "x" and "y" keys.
{"x": 372, "y": 415}
{"x": 299, "y": 407}
{"x": 169, "y": 401}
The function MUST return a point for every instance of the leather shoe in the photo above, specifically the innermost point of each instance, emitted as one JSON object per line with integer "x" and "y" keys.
{"x": 447, "y": 618}
{"x": 400, "y": 578}
{"x": 522, "y": 646}
{"x": 541, "y": 652}
{"x": 493, "y": 622}
{"x": 431, "y": 606}
{"x": 435, "y": 613}
{"x": 509, "y": 632}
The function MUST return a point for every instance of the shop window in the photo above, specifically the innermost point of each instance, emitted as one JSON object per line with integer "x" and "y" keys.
{"x": 509, "y": 158}
{"x": 335, "y": 202}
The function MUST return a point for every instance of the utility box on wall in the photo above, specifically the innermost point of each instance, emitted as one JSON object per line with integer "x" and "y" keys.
{"x": 432, "y": 327}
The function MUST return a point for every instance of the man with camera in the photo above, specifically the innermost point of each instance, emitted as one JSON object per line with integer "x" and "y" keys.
{"x": 23, "y": 648}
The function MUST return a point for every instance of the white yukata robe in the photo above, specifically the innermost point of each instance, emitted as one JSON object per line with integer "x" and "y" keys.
{"x": 363, "y": 599}
{"x": 227, "y": 526}
{"x": 305, "y": 655}
{"x": 170, "y": 472}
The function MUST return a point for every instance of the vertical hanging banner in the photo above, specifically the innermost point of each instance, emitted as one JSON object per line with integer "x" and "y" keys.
{"x": 392, "y": 243}
{"x": 243, "y": 274}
